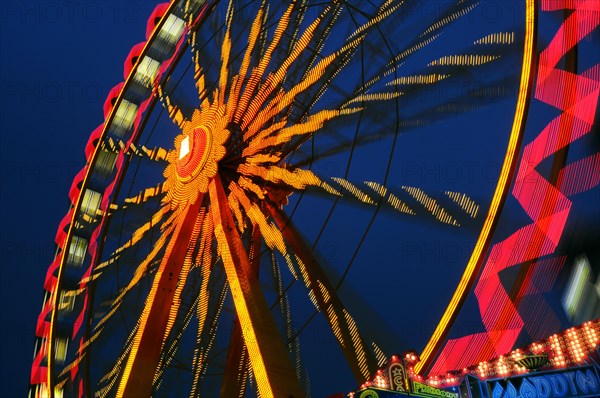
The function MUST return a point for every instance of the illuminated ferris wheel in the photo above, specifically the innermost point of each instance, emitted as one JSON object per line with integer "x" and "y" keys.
{"x": 237, "y": 227}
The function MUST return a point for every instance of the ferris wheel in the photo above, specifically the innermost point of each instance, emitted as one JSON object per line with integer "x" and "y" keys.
{"x": 255, "y": 205}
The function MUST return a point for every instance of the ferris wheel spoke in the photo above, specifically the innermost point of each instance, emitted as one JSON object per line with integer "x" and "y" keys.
{"x": 443, "y": 68}
{"x": 323, "y": 71}
{"x": 411, "y": 92}
{"x": 284, "y": 305}
{"x": 198, "y": 72}
{"x": 238, "y": 363}
{"x": 258, "y": 72}
{"x": 275, "y": 136}
{"x": 432, "y": 33}
{"x": 306, "y": 101}
{"x": 205, "y": 262}
{"x": 200, "y": 52}
{"x": 237, "y": 367}
{"x": 355, "y": 348}
{"x": 84, "y": 348}
{"x": 292, "y": 33}
{"x": 434, "y": 114}
{"x": 211, "y": 298}
{"x": 225, "y": 54}
{"x": 310, "y": 99}
{"x": 207, "y": 331}
{"x": 427, "y": 37}
{"x": 270, "y": 233}
{"x": 260, "y": 117}
{"x": 253, "y": 37}
{"x": 185, "y": 266}
{"x": 447, "y": 207}
{"x": 152, "y": 193}
{"x": 268, "y": 357}
{"x": 171, "y": 349}
{"x": 136, "y": 237}
{"x": 170, "y": 345}
{"x": 109, "y": 380}
{"x": 157, "y": 154}
{"x": 155, "y": 321}
{"x": 175, "y": 112}
{"x": 142, "y": 270}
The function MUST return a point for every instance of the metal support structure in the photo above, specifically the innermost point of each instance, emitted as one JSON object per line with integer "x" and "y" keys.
{"x": 358, "y": 354}
{"x": 138, "y": 376}
{"x": 274, "y": 374}
{"x": 236, "y": 368}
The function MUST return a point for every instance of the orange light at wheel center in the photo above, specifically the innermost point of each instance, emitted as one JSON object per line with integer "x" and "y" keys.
{"x": 193, "y": 153}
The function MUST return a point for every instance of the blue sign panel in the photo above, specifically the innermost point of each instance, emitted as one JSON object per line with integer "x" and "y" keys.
{"x": 579, "y": 382}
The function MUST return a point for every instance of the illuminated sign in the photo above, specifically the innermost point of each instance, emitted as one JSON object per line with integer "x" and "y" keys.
{"x": 397, "y": 376}
{"x": 582, "y": 382}
{"x": 421, "y": 388}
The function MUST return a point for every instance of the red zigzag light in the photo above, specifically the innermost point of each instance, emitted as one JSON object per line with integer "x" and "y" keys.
{"x": 548, "y": 205}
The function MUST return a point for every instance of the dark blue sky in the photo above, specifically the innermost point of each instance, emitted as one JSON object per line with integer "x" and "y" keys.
{"x": 58, "y": 60}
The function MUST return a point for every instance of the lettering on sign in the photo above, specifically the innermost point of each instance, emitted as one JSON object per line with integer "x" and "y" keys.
{"x": 577, "y": 383}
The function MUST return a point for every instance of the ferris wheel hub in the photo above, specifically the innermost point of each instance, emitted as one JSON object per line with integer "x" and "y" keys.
{"x": 194, "y": 161}
{"x": 193, "y": 153}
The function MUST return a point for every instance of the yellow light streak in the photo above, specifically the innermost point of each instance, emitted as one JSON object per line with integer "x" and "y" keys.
{"x": 499, "y": 195}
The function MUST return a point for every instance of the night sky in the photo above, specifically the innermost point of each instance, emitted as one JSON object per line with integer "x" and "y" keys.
{"x": 58, "y": 61}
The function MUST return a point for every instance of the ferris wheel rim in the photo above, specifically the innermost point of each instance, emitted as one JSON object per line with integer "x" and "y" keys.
{"x": 90, "y": 170}
{"x": 101, "y": 133}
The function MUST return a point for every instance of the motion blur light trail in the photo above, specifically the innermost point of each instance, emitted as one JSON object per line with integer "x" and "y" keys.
{"x": 244, "y": 197}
